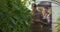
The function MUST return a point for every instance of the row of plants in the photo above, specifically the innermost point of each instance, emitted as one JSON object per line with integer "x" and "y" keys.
{"x": 58, "y": 24}
{"x": 14, "y": 16}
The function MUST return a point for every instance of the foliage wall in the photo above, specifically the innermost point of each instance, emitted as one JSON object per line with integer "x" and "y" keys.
{"x": 58, "y": 24}
{"x": 14, "y": 16}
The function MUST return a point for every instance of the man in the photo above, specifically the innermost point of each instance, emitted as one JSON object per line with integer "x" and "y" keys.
{"x": 36, "y": 25}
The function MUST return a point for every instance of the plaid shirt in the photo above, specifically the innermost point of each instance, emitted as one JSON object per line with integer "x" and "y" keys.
{"x": 37, "y": 16}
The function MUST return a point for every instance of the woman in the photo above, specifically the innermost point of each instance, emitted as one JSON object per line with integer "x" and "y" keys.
{"x": 47, "y": 19}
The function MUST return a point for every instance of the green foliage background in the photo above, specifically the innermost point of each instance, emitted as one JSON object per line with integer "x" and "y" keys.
{"x": 14, "y": 16}
{"x": 58, "y": 24}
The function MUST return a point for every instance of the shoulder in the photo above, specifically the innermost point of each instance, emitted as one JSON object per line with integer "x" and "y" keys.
{"x": 49, "y": 15}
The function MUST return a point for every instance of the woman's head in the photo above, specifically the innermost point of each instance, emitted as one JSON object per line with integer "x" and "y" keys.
{"x": 45, "y": 9}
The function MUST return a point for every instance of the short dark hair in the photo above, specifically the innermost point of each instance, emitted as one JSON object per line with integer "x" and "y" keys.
{"x": 34, "y": 5}
{"x": 46, "y": 7}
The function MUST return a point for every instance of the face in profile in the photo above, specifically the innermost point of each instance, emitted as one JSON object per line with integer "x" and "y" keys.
{"x": 45, "y": 10}
{"x": 33, "y": 8}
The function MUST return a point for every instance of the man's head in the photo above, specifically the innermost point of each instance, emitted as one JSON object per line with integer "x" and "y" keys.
{"x": 33, "y": 6}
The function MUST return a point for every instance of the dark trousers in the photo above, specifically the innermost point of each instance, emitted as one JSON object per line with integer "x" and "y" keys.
{"x": 46, "y": 28}
{"x": 35, "y": 27}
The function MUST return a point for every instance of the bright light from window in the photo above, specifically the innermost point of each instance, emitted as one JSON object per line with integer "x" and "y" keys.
{"x": 22, "y": 0}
